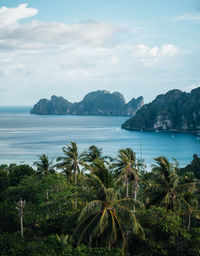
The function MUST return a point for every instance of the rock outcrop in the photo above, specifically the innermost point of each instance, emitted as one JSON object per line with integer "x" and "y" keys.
{"x": 94, "y": 103}
{"x": 175, "y": 110}
{"x": 55, "y": 106}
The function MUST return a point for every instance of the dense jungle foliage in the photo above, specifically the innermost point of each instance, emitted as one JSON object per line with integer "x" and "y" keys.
{"x": 90, "y": 204}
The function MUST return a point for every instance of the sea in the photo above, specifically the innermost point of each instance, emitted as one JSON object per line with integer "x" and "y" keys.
{"x": 23, "y": 137}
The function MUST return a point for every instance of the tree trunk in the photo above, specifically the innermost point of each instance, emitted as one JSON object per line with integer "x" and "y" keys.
{"x": 90, "y": 241}
{"x": 127, "y": 194}
{"x": 75, "y": 177}
{"x": 21, "y": 205}
{"x": 131, "y": 189}
{"x": 21, "y": 225}
{"x": 189, "y": 221}
{"x": 136, "y": 187}
{"x": 47, "y": 195}
{"x": 47, "y": 198}
{"x": 75, "y": 181}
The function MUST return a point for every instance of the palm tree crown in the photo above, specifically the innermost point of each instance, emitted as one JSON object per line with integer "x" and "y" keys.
{"x": 92, "y": 154}
{"x": 106, "y": 219}
{"x": 71, "y": 161}
{"x": 164, "y": 182}
{"x": 126, "y": 168}
{"x": 44, "y": 166}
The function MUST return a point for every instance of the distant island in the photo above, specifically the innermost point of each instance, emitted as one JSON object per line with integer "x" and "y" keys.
{"x": 175, "y": 110}
{"x": 99, "y": 102}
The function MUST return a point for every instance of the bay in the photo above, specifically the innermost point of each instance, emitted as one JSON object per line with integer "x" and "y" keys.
{"x": 24, "y": 136}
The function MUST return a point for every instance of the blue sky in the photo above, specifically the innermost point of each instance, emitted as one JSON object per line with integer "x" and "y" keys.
{"x": 72, "y": 47}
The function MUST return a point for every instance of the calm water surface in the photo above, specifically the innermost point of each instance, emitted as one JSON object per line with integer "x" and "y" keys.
{"x": 24, "y": 136}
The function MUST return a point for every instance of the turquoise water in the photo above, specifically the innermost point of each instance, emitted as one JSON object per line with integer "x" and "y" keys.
{"x": 24, "y": 136}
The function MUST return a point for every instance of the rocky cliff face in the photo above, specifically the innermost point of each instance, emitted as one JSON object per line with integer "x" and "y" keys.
{"x": 101, "y": 103}
{"x": 175, "y": 110}
{"x": 55, "y": 106}
{"x": 94, "y": 103}
{"x": 134, "y": 105}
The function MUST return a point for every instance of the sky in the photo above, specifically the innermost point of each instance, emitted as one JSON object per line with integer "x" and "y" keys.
{"x": 71, "y": 47}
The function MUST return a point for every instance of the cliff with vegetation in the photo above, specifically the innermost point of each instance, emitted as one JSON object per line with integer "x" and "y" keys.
{"x": 94, "y": 103}
{"x": 175, "y": 110}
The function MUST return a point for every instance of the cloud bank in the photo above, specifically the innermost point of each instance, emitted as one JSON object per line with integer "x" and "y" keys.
{"x": 32, "y": 51}
{"x": 78, "y": 49}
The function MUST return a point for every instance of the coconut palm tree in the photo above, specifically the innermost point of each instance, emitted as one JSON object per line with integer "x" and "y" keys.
{"x": 126, "y": 169}
{"x": 44, "y": 165}
{"x": 71, "y": 162}
{"x": 102, "y": 170}
{"x": 188, "y": 191}
{"x": 106, "y": 219}
{"x": 92, "y": 153}
{"x": 190, "y": 209}
{"x": 163, "y": 184}
{"x": 165, "y": 188}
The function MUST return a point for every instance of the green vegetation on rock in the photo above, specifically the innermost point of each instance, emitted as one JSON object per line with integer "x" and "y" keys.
{"x": 101, "y": 103}
{"x": 175, "y": 110}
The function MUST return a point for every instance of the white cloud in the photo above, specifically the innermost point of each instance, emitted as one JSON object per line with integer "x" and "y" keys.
{"x": 153, "y": 55}
{"x": 165, "y": 50}
{"x": 10, "y": 16}
{"x": 59, "y": 33}
{"x": 37, "y": 53}
{"x": 74, "y": 46}
{"x": 189, "y": 16}
{"x": 37, "y": 35}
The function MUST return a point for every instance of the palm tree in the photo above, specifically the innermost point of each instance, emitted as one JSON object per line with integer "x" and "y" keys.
{"x": 126, "y": 168}
{"x": 71, "y": 162}
{"x": 191, "y": 209}
{"x": 44, "y": 166}
{"x": 102, "y": 170}
{"x": 188, "y": 190}
{"x": 20, "y": 207}
{"x": 92, "y": 154}
{"x": 165, "y": 188}
{"x": 163, "y": 184}
{"x": 106, "y": 219}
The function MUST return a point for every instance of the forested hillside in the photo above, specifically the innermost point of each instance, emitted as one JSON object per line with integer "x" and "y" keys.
{"x": 85, "y": 203}
{"x": 100, "y": 103}
{"x": 175, "y": 110}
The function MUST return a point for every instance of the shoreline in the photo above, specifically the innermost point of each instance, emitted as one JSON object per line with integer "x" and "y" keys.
{"x": 165, "y": 131}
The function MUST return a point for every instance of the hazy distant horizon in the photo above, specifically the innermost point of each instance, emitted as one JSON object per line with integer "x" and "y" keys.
{"x": 127, "y": 100}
